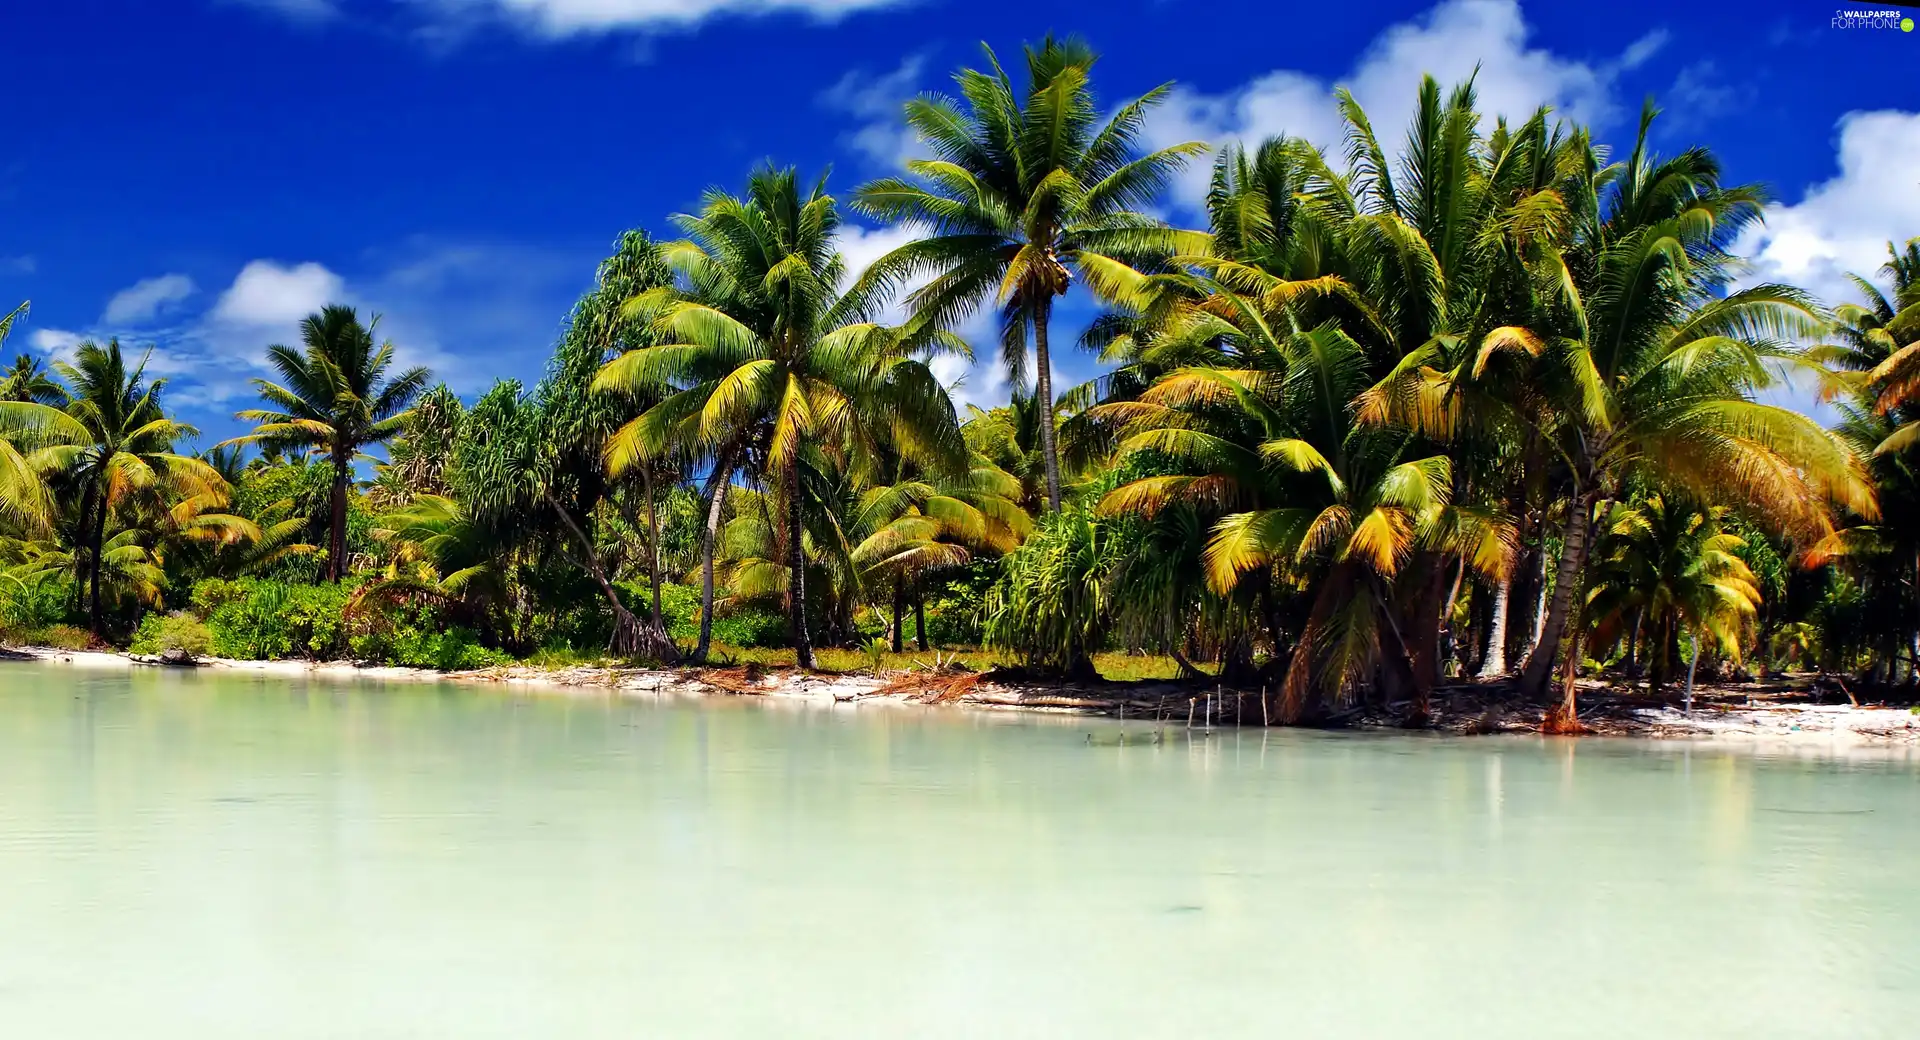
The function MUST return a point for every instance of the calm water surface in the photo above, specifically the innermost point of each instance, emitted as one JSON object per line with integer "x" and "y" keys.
{"x": 196, "y": 857}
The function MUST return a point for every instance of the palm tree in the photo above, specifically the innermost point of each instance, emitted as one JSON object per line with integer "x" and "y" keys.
{"x": 127, "y": 458}
{"x": 28, "y": 380}
{"x": 756, "y": 349}
{"x": 1653, "y": 371}
{"x": 1670, "y": 568}
{"x": 334, "y": 395}
{"x": 923, "y": 524}
{"x": 1301, "y": 495}
{"x": 1021, "y": 194}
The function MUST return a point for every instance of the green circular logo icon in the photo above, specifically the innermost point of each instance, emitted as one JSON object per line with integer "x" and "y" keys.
{"x": 1906, "y": 25}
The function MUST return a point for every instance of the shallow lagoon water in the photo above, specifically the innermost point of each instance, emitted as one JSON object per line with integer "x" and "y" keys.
{"x": 193, "y": 856}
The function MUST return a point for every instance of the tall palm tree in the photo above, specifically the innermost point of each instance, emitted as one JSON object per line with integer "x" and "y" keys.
{"x": 334, "y": 395}
{"x": 1023, "y": 192}
{"x": 127, "y": 459}
{"x": 756, "y": 347}
{"x": 1653, "y": 370}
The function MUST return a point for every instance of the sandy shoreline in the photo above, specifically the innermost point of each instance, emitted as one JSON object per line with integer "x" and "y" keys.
{"x": 1767, "y": 720}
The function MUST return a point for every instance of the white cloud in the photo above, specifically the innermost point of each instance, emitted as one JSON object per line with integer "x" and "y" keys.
{"x": 1844, "y": 224}
{"x": 1485, "y": 39}
{"x": 983, "y": 381}
{"x": 145, "y": 299}
{"x": 266, "y": 293}
{"x": 55, "y": 343}
{"x": 883, "y": 136}
{"x": 562, "y": 18}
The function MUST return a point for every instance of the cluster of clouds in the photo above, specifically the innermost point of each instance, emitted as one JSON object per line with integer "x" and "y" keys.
{"x": 471, "y": 312}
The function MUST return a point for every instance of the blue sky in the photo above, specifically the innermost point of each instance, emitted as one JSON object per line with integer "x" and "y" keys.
{"x": 198, "y": 174}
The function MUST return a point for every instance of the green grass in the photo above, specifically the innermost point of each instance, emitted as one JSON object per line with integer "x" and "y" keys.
{"x": 1116, "y": 667}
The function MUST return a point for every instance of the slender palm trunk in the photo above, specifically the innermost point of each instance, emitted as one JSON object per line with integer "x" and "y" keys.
{"x": 1633, "y": 647}
{"x": 1661, "y": 655}
{"x": 1496, "y": 663}
{"x": 95, "y": 539}
{"x": 1043, "y": 390}
{"x": 1573, "y": 556}
{"x": 1537, "y": 602}
{"x": 920, "y": 620}
{"x": 797, "y": 574}
{"x": 337, "y": 535}
{"x": 717, "y": 484}
{"x": 899, "y": 615}
{"x": 81, "y": 538}
{"x": 1692, "y": 664}
{"x": 653, "y": 544}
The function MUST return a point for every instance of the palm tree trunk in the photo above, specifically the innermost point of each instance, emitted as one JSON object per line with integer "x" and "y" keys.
{"x": 1043, "y": 390}
{"x": 1661, "y": 654}
{"x": 80, "y": 538}
{"x": 95, "y": 539}
{"x": 797, "y": 574}
{"x": 631, "y": 636}
{"x": 1573, "y": 556}
{"x": 1633, "y": 647}
{"x": 899, "y": 616}
{"x": 920, "y": 620}
{"x": 1692, "y": 664}
{"x": 717, "y": 484}
{"x": 337, "y": 535}
{"x": 653, "y": 543}
{"x": 1495, "y": 664}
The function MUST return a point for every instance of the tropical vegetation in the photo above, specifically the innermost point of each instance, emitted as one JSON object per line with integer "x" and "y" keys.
{"x": 1489, "y": 408}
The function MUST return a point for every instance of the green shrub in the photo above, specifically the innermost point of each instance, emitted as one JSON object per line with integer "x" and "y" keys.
{"x": 256, "y": 619}
{"x": 753, "y": 626}
{"x": 34, "y": 604}
{"x": 178, "y": 631}
{"x": 749, "y": 626}
{"x": 453, "y": 650}
{"x": 60, "y": 637}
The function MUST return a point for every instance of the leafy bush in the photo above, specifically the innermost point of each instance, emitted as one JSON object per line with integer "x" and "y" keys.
{"x": 753, "y": 626}
{"x": 34, "y": 604}
{"x": 61, "y": 637}
{"x": 1051, "y": 605}
{"x": 178, "y": 631}
{"x": 256, "y": 619}
{"x": 453, "y": 650}
{"x": 750, "y": 626}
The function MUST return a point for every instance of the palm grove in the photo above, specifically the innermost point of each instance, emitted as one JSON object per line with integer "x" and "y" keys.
{"x": 1484, "y": 407}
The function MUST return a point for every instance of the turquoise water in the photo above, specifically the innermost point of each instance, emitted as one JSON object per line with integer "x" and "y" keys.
{"x": 211, "y": 857}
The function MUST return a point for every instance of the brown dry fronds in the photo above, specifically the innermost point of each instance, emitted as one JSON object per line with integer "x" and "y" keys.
{"x": 745, "y": 679}
{"x": 932, "y": 687}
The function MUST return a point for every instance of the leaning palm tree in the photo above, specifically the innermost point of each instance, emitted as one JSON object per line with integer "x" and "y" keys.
{"x": 334, "y": 395}
{"x": 127, "y": 459}
{"x": 1022, "y": 193}
{"x": 754, "y": 346}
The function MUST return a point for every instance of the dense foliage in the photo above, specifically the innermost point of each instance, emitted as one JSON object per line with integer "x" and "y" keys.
{"x": 1490, "y": 406}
